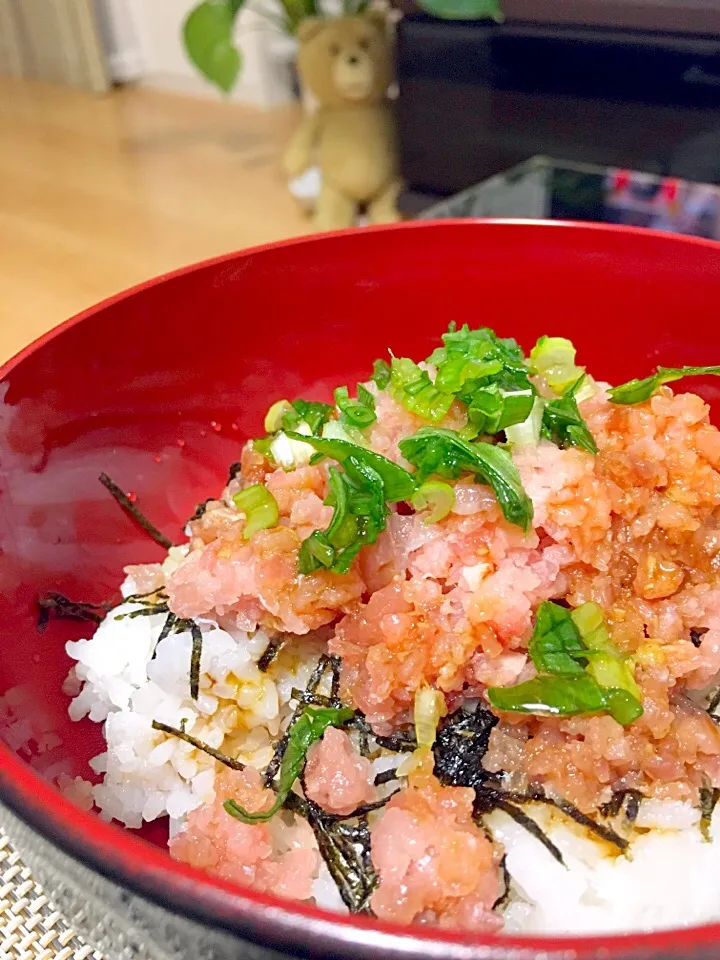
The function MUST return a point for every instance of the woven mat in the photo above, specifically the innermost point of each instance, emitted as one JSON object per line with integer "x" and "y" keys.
{"x": 30, "y": 927}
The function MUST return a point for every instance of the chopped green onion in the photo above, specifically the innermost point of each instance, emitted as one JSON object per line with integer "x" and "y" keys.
{"x": 436, "y": 495}
{"x": 381, "y": 374}
{"x": 274, "y": 416}
{"x": 554, "y": 359}
{"x": 259, "y": 506}
{"x": 343, "y": 528}
{"x": 365, "y": 397}
{"x": 563, "y": 424}
{"x": 310, "y": 412}
{"x": 315, "y": 552}
{"x": 590, "y": 621}
{"x": 605, "y": 661}
{"x": 527, "y": 433}
{"x": 636, "y": 391}
{"x": 623, "y": 706}
{"x": 507, "y": 400}
{"x": 358, "y": 413}
{"x": 435, "y": 450}
{"x": 339, "y": 430}
{"x": 413, "y": 388}
{"x": 306, "y": 731}
{"x": 290, "y": 453}
{"x": 612, "y": 671}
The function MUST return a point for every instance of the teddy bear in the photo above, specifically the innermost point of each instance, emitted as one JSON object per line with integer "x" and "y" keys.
{"x": 345, "y": 64}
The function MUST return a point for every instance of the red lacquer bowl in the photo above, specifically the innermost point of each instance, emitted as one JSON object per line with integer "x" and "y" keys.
{"x": 158, "y": 387}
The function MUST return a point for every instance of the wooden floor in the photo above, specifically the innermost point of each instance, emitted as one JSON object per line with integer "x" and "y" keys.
{"x": 99, "y": 193}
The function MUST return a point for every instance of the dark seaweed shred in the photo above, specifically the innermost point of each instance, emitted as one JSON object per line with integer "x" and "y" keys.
{"x": 270, "y": 653}
{"x": 233, "y": 470}
{"x": 196, "y": 654}
{"x": 713, "y": 705}
{"x": 149, "y": 610}
{"x": 570, "y": 810}
{"x": 56, "y": 605}
{"x": 460, "y": 745}
{"x": 505, "y": 873}
{"x": 386, "y": 776}
{"x": 198, "y": 744}
{"x": 488, "y": 799}
{"x": 167, "y": 629}
{"x": 630, "y": 799}
{"x": 130, "y": 508}
{"x": 200, "y": 509}
{"x": 345, "y": 848}
{"x": 335, "y": 665}
{"x": 708, "y": 800}
{"x": 696, "y": 635}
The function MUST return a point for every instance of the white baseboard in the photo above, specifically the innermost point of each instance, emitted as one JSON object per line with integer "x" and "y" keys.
{"x": 126, "y": 65}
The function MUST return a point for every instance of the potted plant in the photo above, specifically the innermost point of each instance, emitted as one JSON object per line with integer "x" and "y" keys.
{"x": 209, "y": 30}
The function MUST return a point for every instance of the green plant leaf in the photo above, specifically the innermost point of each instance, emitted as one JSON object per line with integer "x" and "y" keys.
{"x": 208, "y": 38}
{"x": 464, "y": 9}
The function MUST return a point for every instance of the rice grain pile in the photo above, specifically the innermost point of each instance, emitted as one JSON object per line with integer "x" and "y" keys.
{"x": 444, "y": 652}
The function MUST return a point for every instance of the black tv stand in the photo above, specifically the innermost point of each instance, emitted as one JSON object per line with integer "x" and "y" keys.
{"x": 477, "y": 98}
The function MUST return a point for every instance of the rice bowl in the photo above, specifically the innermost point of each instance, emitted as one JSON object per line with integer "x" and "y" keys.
{"x": 512, "y": 667}
{"x": 162, "y": 388}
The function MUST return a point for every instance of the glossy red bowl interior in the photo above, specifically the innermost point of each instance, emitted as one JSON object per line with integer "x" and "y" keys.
{"x": 159, "y": 386}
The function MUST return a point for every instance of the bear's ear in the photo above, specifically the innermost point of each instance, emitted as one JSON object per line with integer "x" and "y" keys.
{"x": 377, "y": 18}
{"x": 309, "y": 28}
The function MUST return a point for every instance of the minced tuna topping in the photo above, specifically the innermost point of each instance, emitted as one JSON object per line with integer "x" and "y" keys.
{"x": 485, "y": 582}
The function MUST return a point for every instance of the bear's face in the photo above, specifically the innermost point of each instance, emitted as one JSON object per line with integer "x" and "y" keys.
{"x": 345, "y": 60}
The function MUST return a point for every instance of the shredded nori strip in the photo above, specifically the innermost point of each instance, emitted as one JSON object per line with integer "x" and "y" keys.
{"x": 345, "y": 848}
{"x": 713, "y": 705}
{"x": 314, "y": 699}
{"x": 233, "y": 470}
{"x": 696, "y": 635}
{"x": 386, "y": 776}
{"x": 615, "y": 805}
{"x": 502, "y": 899}
{"x": 708, "y": 800}
{"x": 488, "y": 799}
{"x": 198, "y": 744}
{"x": 270, "y": 653}
{"x": 130, "y": 508}
{"x": 460, "y": 745}
{"x": 167, "y": 629}
{"x": 62, "y": 608}
{"x": 402, "y": 742}
{"x": 146, "y": 611}
{"x": 570, "y": 810}
{"x": 335, "y": 685}
{"x": 194, "y": 656}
